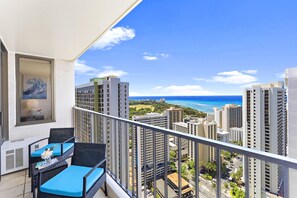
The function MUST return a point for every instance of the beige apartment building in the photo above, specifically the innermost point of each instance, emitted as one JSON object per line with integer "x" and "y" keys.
{"x": 230, "y": 116}
{"x": 203, "y": 129}
{"x": 174, "y": 115}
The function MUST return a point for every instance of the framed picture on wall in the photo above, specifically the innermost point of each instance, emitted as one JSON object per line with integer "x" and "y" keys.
{"x": 34, "y": 87}
{"x": 35, "y": 90}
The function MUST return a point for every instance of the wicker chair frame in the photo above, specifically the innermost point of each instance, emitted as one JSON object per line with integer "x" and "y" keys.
{"x": 57, "y": 135}
{"x": 89, "y": 155}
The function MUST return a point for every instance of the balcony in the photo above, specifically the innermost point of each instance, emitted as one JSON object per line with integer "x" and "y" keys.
{"x": 128, "y": 169}
{"x": 127, "y": 145}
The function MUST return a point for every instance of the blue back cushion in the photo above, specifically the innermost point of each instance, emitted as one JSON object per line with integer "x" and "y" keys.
{"x": 70, "y": 181}
{"x": 55, "y": 146}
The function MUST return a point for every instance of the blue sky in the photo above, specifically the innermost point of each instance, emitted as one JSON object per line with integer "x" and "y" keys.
{"x": 196, "y": 47}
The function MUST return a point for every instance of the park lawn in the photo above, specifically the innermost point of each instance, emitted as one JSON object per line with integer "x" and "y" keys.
{"x": 141, "y": 106}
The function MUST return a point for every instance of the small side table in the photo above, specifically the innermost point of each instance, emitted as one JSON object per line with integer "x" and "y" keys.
{"x": 48, "y": 174}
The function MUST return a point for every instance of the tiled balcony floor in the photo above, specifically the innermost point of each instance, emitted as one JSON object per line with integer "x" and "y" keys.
{"x": 18, "y": 184}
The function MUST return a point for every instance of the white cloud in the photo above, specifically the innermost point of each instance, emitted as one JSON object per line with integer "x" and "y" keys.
{"x": 113, "y": 37}
{"x": 157, "y": 87}
{"x": 232, "y": 77}
{"x": 251, "y": 71}
{"x": 81, "y": 68}
{"x": 164, "y": 55}
{"x": 280, "y": 75}
{"x": 230, "y": 73}
{"x": 239, "y": 79}
{"x": 150, "y": 58}
{"x": 200, "y": 79}
{"x": 181, "y": 90}
{"x": 109, "y": 71}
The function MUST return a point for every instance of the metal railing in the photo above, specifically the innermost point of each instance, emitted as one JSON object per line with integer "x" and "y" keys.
{"x": 128, "y": 150}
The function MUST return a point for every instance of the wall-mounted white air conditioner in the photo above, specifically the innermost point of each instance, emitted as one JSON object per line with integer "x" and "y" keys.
{"x": 14, "y": 155}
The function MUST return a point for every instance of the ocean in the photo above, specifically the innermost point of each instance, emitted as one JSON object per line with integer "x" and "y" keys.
{"x": 201, "y": 103}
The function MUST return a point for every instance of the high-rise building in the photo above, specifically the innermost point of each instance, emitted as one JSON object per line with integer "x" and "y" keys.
{"x": 236, "y": 134}
{"x": 230, "y": 116}
{"x": 218, "y": 117}
{"x": 264, "y": 126}
{"x": 203, "y": 129}
{"x": 104, "y": 95}
{"x": 291, "y": 82}
{"x": 174, "y": 115}
{"x": 182, "y": 127}
{"x": 159, "y": 120}
{"x": 100, "y": 93}
{"x": 210, "y": 117}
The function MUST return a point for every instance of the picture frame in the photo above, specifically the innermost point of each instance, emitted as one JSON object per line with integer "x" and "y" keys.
{"x": 35, "y": 90}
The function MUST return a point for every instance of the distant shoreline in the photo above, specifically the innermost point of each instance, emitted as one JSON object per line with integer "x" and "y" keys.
{"x": 186, "y": 96}
{"x": 201, "y": 103}
{"x": 142, "y": 107}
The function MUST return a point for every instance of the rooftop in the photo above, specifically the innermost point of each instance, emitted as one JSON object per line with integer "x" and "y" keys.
{"x": 278, "y": 84}
{"x": 149, "y": 115}
{"x": 183, "y": 124}
{"x": 202, "y": 121}
{"x": 221, "y": 132}
{"x": 174, "y": 178}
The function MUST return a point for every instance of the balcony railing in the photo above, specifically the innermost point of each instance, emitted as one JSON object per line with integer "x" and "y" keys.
{"x": 127, "y": 143}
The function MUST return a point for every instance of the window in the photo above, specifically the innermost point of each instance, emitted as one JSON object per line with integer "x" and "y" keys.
{"x": 34, "y": 78}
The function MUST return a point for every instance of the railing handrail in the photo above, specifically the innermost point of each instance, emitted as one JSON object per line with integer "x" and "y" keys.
{"x": 252, "y": 153}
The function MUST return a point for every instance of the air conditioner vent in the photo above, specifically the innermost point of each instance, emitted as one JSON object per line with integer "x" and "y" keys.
{"x": 10, "y": 161}
{"x": 15, "y": 155}
{"x": 19, "y": 157}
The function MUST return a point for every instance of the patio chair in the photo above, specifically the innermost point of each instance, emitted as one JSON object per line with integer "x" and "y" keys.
{"x": 83, "y": 178}
{"x": 57, "y": 137}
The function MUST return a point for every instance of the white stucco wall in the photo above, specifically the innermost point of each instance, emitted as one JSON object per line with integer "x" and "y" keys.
{"x": 291, "y": 75}
{"x": 64, "y": 100}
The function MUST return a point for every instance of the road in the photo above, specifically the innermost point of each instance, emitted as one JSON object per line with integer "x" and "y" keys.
{"x": 206, "y": 189}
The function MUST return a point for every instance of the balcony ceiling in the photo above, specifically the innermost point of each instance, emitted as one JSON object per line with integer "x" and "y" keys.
{"x": 58, "y": 29}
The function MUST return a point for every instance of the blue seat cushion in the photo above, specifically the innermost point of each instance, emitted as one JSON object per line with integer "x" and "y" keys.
{"x": 70, "y": 181}
{"x": 56, "y": 149}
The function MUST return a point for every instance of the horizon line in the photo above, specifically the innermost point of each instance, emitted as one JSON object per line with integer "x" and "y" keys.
{"x": 186, "y": 96}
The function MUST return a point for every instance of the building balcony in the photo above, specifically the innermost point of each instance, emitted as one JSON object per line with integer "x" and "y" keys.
{"x": 132, "y": 145}
{"x": 129, "y": 170}
{"x": 56, "y": 33}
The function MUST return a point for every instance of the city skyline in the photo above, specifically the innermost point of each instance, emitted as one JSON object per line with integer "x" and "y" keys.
{"x": 212, "y": 49}
{"x": 212, "y": 111}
